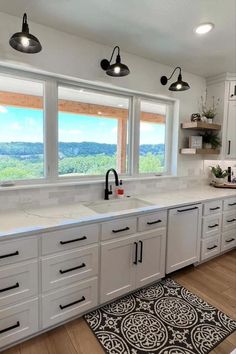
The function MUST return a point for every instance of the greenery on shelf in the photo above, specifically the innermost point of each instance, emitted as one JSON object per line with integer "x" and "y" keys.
{"x": 211, "y": 138}
{"x": 218, "y": 172}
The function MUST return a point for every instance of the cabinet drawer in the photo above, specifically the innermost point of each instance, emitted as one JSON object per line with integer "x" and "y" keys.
{"x": 17, "y": 322}
{"x": 117, "y": 228}
{"x": 229, "y": 220}
{"x": 230, "y": 203}
{"x": 18, "y": 250}
{"x": 211, "y": 225}
{"x": 63, "y": 240}
{"x": 18, "y": 282}
{"x": 210, "y": 247}
{"x": 152, "y": 221}
{"x": 228, "y": 240}
{"x": 214, "y": 207}
{"x": 68, "y": 302}
{"x": 69, "y": 267}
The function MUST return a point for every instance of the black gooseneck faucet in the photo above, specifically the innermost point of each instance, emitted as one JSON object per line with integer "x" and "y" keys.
{"x": 107, "y": 191}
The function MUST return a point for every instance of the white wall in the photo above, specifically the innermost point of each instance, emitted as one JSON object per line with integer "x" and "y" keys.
{"x": 75, "y": 57}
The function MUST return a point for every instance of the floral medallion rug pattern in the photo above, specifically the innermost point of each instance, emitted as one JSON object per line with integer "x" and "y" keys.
{"x": 164, "y": 318}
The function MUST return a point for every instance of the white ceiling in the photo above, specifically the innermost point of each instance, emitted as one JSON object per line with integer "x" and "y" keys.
{"x": 161, "y": 30}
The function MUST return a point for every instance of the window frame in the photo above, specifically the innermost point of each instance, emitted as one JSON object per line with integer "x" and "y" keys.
{"x": 50, "y": 99}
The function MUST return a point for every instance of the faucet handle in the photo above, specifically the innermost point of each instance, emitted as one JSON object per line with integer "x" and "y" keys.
{"x": 110, "y": 189}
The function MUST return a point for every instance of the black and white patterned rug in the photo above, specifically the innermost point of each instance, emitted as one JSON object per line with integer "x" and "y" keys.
{"x": 164, "y": 318}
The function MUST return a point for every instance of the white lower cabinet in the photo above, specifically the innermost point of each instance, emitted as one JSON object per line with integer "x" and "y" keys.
{"x": 18, "y": 321}
{"x": 210, "y": 247}
{"x": 183, "y": 238}
{"x": 228, "y": 240}
{"x": 131, "y": 262}
{"x": 68, "y": 302}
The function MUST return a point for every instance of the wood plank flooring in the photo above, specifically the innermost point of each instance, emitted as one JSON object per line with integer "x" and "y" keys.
{"x": 214, "y": 281}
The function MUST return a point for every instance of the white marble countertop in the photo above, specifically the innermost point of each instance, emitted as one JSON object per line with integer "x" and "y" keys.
{"x": 28, "y": 222}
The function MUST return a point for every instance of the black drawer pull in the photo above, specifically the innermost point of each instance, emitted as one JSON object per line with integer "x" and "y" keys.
{"x": 216, "y": 208}
{"x": 231, "y": 204}
{"x": 10, "y": 287}
{"x": 120, "y": 230}
{"x": 212, "y": 248}
{"x": 136, "y": 253}
{"x": 212, "y": 226}
{"x": 231, "y": 240}
{"x": 9, "y": 255}
{"x": 75, "y": 240}
{"x": 72, "y": 303}
{"x": 189, "y": 209}
{"x": 9, "y": 328}
{"x": 154, "y": 222}
{"x": 71, "y": 269}
{"x": 232, "y": 220}
{"x": 141, "y": 252}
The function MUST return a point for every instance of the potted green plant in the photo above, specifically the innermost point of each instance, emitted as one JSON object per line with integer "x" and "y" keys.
{"x": 219, "y": 174}
{"x": 209, "y": 111}
{"x": 211, "y": 140}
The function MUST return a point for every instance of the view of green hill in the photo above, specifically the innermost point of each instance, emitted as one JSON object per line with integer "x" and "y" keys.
{"x": 23, "y": 160}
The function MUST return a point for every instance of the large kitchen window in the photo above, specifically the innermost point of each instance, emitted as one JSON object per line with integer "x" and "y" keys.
{"x": 22, "y": 129}
{"x": 54, "y": 129}
{"x": 93, "y": 132}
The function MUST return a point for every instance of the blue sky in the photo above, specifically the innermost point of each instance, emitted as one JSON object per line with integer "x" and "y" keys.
{"x": 21, "y": 124}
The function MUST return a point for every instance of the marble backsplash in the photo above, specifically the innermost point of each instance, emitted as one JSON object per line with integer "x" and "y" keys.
{"x": 49, "y": 195}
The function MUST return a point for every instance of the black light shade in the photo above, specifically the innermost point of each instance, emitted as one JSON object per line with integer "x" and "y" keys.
{"x": 117, "y": 69}
{"x": 24, "y": 41}
{"x": 178, "y": 85}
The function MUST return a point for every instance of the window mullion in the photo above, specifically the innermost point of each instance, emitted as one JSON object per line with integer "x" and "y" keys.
{"x": 135, "y": 136}
{"x": 51, "y": 129}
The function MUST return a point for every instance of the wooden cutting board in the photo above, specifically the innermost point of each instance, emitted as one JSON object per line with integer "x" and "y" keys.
{"x": 225, "y": 185}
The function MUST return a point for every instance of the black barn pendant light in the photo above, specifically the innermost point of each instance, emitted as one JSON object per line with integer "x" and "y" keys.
{"x": 178, "y": 85}
{"x": 24, "y": 41}
{"x": 117, "y": 69}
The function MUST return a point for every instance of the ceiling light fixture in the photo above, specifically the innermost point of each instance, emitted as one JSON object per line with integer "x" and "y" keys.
{"x": 178, "y": 85}
{"x": 204, "y": 28}
{"x": 117, "y": 69}
{"x": 24, "y": 41}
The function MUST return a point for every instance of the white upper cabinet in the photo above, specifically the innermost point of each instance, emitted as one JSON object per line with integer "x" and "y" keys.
{"x": 231, "y": 130}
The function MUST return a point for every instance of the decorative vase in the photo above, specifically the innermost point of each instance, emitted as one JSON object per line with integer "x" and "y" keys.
{"x": 207, "y": 146}
{"x": 219, "y": 180}
{"x": 209, "y": 120}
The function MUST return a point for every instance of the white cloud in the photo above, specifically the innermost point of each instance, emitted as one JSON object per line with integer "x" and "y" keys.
{"x": 3, "y": 109}
{"x": 146, "y": 127}
{"x": 15, "y": 126}
{"x": 114, "y": 130}
{"x": 31, "y": 122}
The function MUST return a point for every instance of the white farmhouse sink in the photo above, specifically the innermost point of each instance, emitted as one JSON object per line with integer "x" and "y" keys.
{"x": 110, "y": 206}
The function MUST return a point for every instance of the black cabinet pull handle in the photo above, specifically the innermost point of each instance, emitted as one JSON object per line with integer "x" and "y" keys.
{"x": 232, "y": 220}
{"x": 212, "y": 226}
{"x": 141, "y": 252}
{"x": 121, "y": 230}
{"x": 229, "y": 147}
{"x": 71, "y": 269}
{"x": 9, "y": 255}
{"x": 216, "y": 208}
{"x": 9, "y": 328}
{"x": 136, "y": 253}
{"x": 10, "y": 287}
{"x": 231, "y": 240}
{"x": 231, "y": 204}
{"x": 72, "y": 303}
{"x": 75, "y": 240}
{"x": 211, "y": 248}
{"x": 154, "y": 222}
{"x": 183, "y": 210}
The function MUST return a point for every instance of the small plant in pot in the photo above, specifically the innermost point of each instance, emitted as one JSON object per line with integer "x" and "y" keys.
{"x": 219, "y": 174}
{"x": 210, "y": 140}
{"x": 209, "y": 111}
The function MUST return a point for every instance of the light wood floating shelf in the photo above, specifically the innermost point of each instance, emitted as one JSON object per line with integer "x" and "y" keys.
{"x": 200, "y": 126}
{"x": 189, "y": 151}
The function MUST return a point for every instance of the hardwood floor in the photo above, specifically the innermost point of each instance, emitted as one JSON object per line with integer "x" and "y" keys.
{"x": 214, "y": 281}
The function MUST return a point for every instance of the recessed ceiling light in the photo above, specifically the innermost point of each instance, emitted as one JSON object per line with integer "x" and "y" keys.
{"x": 81, "y": 90}
{"x": 204, "y": 28}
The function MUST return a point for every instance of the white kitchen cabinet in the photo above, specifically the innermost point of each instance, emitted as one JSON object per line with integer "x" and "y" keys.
{"x": 232, "y": 90}
{"x": 231, "y": 130}
{"x": 151, "y": 257}
{"x": 183, "y": 238}
{"x": 117, "y": 267}
{"x": 132, "y": 262}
